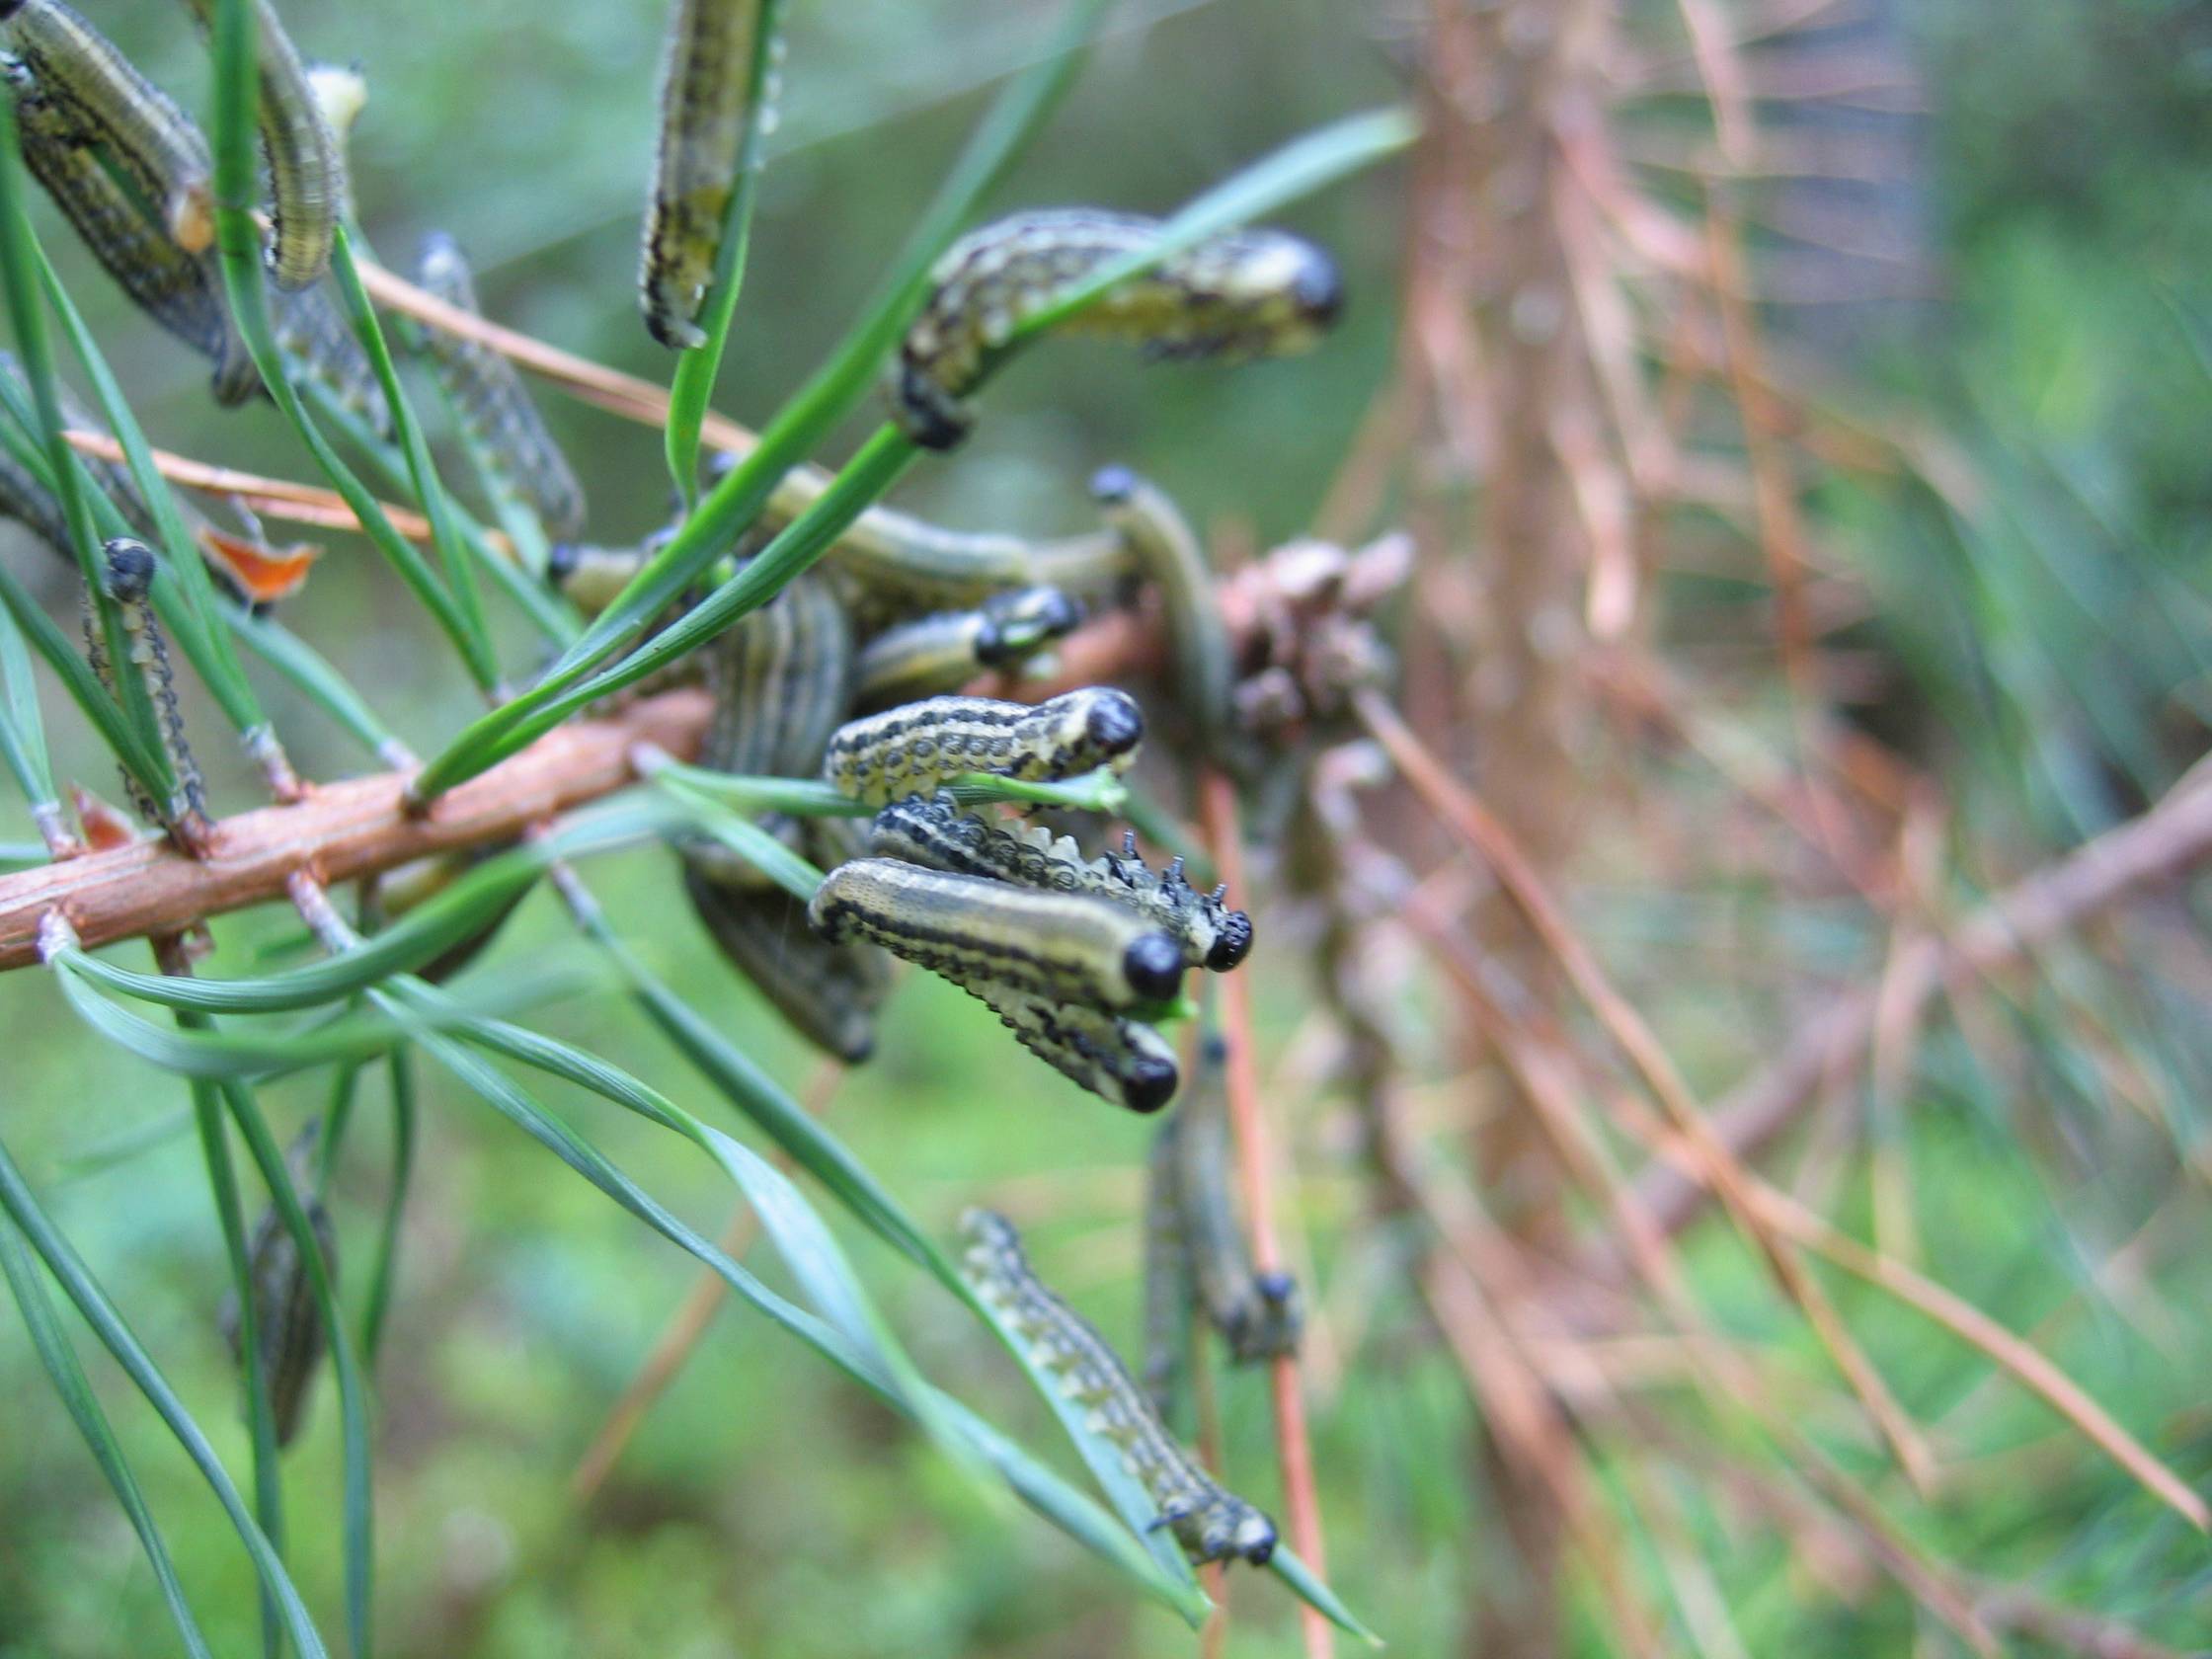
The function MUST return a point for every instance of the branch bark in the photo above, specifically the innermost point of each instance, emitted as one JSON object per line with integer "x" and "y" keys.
{"x": 340, "y": 831}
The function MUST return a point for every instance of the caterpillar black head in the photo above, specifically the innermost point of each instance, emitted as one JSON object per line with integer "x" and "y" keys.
{"x": 1017, "y": 624}
{"x": 1113, "y": 723}
{"x": 131, "y": 570}
{"x": 1153, "y": 967}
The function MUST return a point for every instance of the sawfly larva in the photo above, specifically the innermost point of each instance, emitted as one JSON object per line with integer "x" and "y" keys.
{"x": 589, "y": 577}
{"x": 128, "y": 578}
{"x": 829, "y": 993}
{"x": 942, "y": 653}
{"x": 1257, "y": 1314}
{"x": 313, "y": 333}
{"x": 779, "y": 678}
{"x": 1067, "y": 947}
{"x": 1118, "y": 1058}
{"x": 1167, "y": 1280}
{"x": 492, "y": 406}
{"x": 1211, "y": 1523}
{"x": 102, "y": 98}
{"x": 708, "y": 89}
{"x": 1166, "y": 550}
{"x": 287, "y": 1325}
{"x": 306, "y": 168}
{"x": 936, "y": 833}
{"x": 918, "y": 746}
{"x": 180, "y": 290}
{"x": 1239, "y": 294}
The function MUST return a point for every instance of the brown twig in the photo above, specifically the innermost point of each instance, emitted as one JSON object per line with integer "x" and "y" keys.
{"x": 1487, "y": 837}
{"x": 2166, "y": 842}
{"x": 340, "y": 832}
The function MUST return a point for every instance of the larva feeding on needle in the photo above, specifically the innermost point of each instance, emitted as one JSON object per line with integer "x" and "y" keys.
{"x": 919, "y": 746}
{"x": 1209, "y": 1523}
{"x": 1241, "y": 294}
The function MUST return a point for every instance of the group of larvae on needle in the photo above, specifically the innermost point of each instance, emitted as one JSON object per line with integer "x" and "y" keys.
{"x": 852, "y": 674}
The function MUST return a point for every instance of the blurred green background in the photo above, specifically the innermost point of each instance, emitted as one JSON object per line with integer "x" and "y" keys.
{"x": 2056, "y": 200}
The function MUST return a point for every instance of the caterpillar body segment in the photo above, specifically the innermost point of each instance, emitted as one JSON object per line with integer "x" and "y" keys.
{"x": 306, "y": 167}
{"x": 1209, "y": 1523}
{"x": 1118, "y": 1058}
{"x": 936, "y": 833}
{"x": 942, "y": 653}
{"x": 1257, "y": 1315}
{"x": 492, "y": 405}
{"x": 1240, "y": 294}
{"x": 781, "y": 677}
{"x": 706, "y": 109}
{"x": 1064, "y": 947}
{"x": 178, "y": 289}
{"x": 96, "y": 93}
{"x": 287, "y": 1325}
{"x": 829, "y": 993}
{"x": 1167, "y": 1279}
{"x": 919, "y": 746}
{"x": 1166, "y": 550}
{"x": 128, "y": 578}
{"x": 315, "y": 338}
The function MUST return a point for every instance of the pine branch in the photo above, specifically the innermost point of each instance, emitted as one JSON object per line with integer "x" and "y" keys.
{"x": 340, "y": 831}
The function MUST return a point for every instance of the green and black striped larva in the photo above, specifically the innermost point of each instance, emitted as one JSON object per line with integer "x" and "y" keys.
{"x": 1211, "y": 1523}
{"x": 315, "y": 337}
{"x": 496, "y": 414}
{"x": 829, "y": 993}
{"x": 128, "y": 578}
{"x": 93, "y": 89}
{"x": 127, "y": 233}
{"x": 1240, "y": 294}
{"x": 918, "y": 746}
{"x": 780, "y": 679}
{"x": 287, "y": 1325}
{"x": 306, "y": 168}
{"x": 1066, "y": 947}
{"x": 935, "y": 832}
{"x": 1118, "y": 1058}
{"x": 707, "y": 93}
{"x": 944, "y": 652}
{"x": 1256, "y": 1313}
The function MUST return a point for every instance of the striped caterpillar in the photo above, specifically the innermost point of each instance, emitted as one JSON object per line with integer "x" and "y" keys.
{"x": 942, "y": 653}
{"x": 1067, "y": 947}
{"x": 128, "y": 580}
{"x": 306, "y": 168}
{"x": 180, "y": 290}
{"x": 495, "y": 412}
{"x": 315, "y": 337}
{"x": 1241, "y": 294}
{"x": 1167, "y": 1280}
{"x": 920, "y": 746}
{"x": 1165, "y": 549}
{"x": 1256, "y": 1313}
{"x": 1119, "y": 1060}
{"x": 1211, "y": 1523}
{"x": 779, "y": 678}
{"x": 95, "y": 93}
{"x": 287, "y": 1325}
{"x": 935, "y": 832}
{"x": 708, "y": 90}
{"x": 829, "y": 993}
